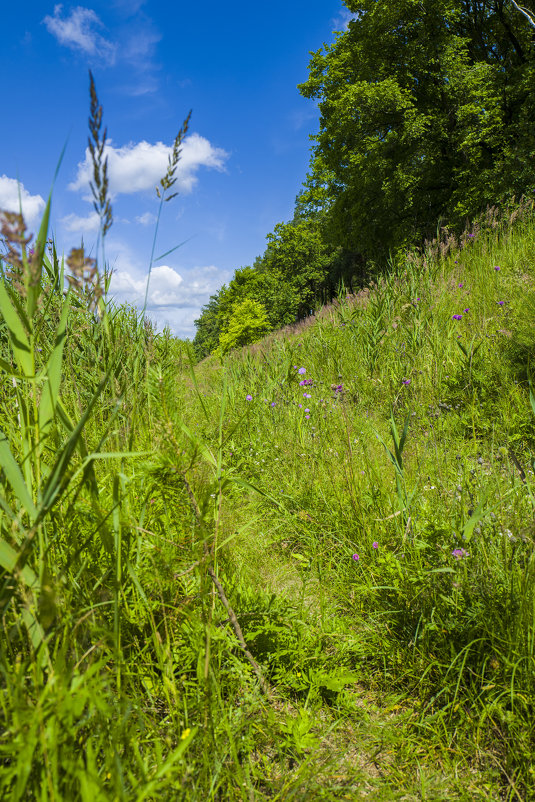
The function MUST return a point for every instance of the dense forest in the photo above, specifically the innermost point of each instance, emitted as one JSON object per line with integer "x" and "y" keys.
{"x": 420, "y": 133}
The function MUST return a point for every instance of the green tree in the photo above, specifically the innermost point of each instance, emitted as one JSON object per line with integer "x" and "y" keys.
{"x": 297, "y": 262}
{"x": 248, "y": 324}
{"x": 427, "y": 113}
{"x": 208, "y": 328}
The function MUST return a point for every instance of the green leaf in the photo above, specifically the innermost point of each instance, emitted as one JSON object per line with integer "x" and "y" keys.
{"x": 17, "y": 336}
{"x": 10, "y": 370}
{"x": 475, "y": 517}
{"x": 37, "y": 636}
{"x": 199, "y": 445}
{"x": 47, "y": 407}
{"x": 15, "y": 478}
{"x": 33, "y": 288}
{"x": 9, "y": 559}
{"x": 172, "y": 249}
{"x": 336, "y": 682}
{"x": 55, "y": 483}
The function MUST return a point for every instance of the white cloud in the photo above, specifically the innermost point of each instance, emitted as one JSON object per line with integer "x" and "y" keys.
{"x": 138, "y": 167}
{"x": 140, "y": 44}
{"x": 174, "y": 299}
{"x": 167, "y": 287}
{"x": 32, "y": 205}
{"x": 76, "y": 31}
{"x": 85, "y": 225}
{"x": 146, "y": 219}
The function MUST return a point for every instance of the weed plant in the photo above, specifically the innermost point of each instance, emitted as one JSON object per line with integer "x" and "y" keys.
{"x": 303, "y": 572}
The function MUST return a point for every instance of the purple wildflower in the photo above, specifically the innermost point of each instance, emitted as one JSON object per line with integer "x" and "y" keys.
{"x": 307, "y": 417}
{"x": 501, "y": 303}
{"x": 356, "y": 557}
{"x": 273, "y": 404}
{"x": 461, "y": 285}
{"x": 406, "y": 382}
{"x": 466, "y": 310}
{"x": 375, "y": 545}
{"x": 302, "y": 371}
{"x": 457, "y": 317}
{"x": 307, "y": 395}
{"x": 497, "y": 267}
{"x": 459, "y": 554}
{"x": 248, "y": 397}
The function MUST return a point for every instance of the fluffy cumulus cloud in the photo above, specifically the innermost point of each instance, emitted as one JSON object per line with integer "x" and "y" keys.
{"x": 174, "y": 299}
{"x": 85, "y": 225}
{"x": 32, "y": 205}
{"x": 138, "y": 167}
{"x": 77, "y": 31}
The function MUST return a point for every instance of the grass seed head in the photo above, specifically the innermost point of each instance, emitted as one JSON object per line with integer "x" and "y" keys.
{"x": 24, "y": 267}
{"x": 85, "y": 279}
{"x": 99, "y": 185}
{"x": 169, "y": 178}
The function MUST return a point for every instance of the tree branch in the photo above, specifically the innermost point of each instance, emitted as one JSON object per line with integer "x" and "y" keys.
{"x": 528, "y": 14}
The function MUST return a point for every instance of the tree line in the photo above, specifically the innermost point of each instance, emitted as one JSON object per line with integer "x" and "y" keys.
{"x": 427, "y": 116}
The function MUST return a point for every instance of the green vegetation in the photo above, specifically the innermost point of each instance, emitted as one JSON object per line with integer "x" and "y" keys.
{"x": 300, "y": 569}
{"x": 427, "y": 117}
{"x": 172, "y": 541}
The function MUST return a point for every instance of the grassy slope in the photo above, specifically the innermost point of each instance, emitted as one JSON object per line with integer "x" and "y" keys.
{"x": 406, "y": 674}
{"x": 444, "y": 641}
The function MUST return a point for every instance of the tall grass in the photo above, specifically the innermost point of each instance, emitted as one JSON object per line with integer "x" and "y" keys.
{"x": 305, "y": 573}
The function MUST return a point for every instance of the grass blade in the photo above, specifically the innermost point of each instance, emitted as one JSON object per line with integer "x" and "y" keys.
{"x": 15, "y": 478}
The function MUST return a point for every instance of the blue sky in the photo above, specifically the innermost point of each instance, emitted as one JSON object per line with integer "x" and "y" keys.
{"x": 236, "y": 65}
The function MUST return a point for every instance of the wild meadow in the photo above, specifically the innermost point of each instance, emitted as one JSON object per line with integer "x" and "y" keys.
{"x": 301, "y": 571}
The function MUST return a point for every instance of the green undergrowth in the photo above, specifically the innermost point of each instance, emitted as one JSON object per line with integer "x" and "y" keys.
{"x": 353, "y": 495}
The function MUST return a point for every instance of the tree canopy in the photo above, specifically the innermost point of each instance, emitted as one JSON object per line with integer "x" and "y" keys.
{"x": 427, "y": 113}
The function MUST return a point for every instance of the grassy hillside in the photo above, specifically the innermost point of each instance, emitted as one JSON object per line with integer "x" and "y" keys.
{"x": 304, "y": 573}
